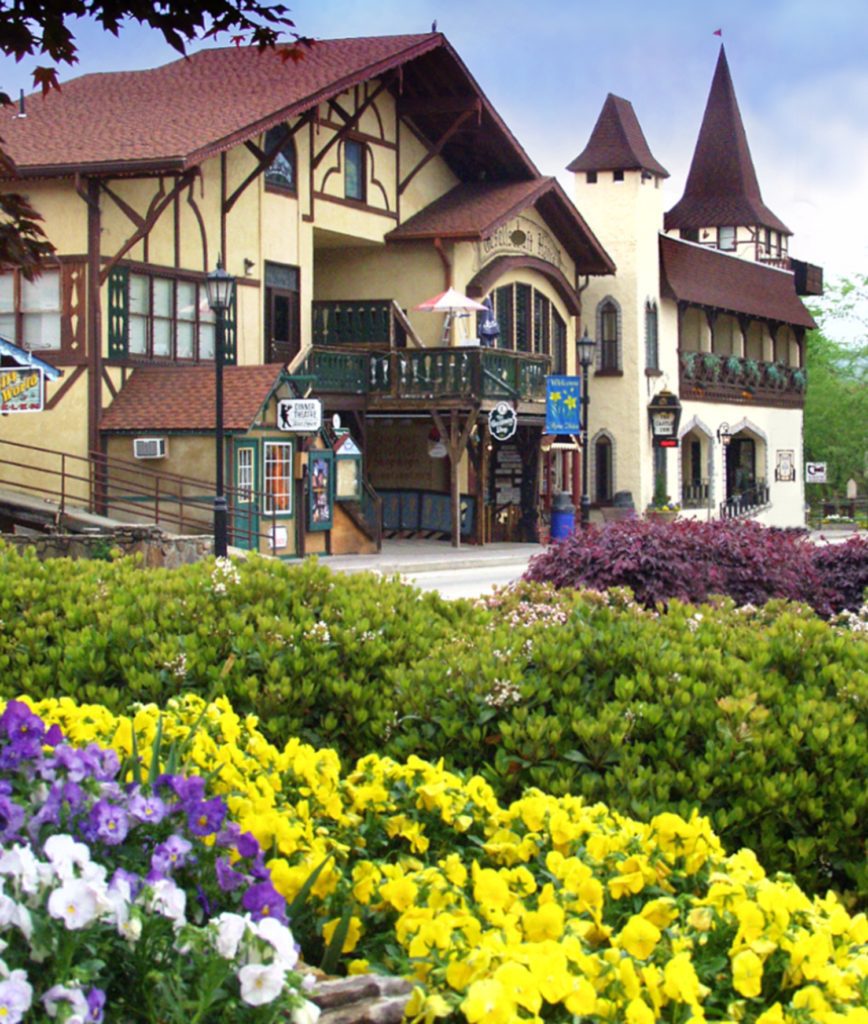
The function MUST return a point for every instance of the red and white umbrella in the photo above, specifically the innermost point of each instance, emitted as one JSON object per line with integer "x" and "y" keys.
{"x": 450, "y": 301}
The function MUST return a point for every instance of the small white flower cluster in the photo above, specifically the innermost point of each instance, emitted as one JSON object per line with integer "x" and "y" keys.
{"x": 693, "y": 623}
{"x": 76, "y": 892}
{"x": 852, "y": 622}
{"x": 177, "y": 667}
{"x": 223, "y": 575}
{"x": 319, "y": 633}
{"x": 391, "y": 726}
{"x": 502, "y": 692}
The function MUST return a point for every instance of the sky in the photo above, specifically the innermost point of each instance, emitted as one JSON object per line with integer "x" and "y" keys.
{"x": 800, "y": 70}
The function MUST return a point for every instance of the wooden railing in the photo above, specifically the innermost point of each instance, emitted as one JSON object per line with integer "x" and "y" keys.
{"x": 442, "y": 373}
{"x": 362, "y": 322}
{"x": 747, "y": 502}
{"x": 734, "y": 378}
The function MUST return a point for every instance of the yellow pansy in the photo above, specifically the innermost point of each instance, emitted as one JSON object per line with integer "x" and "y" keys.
{"x": 488, "y": 1002}
{"x": 680, "y": 981}
{"x": 639, "y": 937}
{"x": 351, "y": 940}
{"x": 520, "y": 983}
{"x": 747, "y": 973}
{"x": 639, "y": 1012}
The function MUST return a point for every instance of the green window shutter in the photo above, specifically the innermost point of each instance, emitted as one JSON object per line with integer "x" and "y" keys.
{"x": 230, "y": 346}
{"x": 118, "y": 312}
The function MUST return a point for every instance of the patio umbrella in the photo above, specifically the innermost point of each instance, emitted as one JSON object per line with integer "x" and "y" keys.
{"x": 450, "y": 302}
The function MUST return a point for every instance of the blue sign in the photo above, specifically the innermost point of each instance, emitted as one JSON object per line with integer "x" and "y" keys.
{"x": 563, "y": 405}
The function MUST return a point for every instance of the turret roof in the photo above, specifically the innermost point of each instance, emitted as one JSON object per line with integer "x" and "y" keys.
{"x": 722, "y": 186}
{"x": 617, "y": 142}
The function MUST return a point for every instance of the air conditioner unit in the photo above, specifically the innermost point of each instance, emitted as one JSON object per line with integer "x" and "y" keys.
{"x": 149, "y": 448}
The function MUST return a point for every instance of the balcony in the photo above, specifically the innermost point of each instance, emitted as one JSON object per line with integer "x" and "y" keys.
{"x": 718, "y": 378}
{"x": 443, "y": 374}
{"x": 368, "y": 348}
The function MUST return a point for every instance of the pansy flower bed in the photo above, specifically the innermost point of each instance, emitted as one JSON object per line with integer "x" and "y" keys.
{"x": 546, "y": 909}
{"x": 130, "y": 900}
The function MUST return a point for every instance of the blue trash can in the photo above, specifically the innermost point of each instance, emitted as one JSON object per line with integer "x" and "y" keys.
{"x": 563, "y": 516}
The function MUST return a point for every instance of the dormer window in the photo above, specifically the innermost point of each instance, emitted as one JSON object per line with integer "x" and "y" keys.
{"x": 281, "y": 172}
{"x": 726, "y": 238}
{"x": 617, "y": 175}
{"x": 591, "y": 177}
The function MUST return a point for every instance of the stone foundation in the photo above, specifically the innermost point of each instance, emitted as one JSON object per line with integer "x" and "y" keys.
{"x": 158, "y": 549}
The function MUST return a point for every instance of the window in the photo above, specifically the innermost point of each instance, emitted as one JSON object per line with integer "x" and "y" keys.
{"x": 608, "y": 331}
{"x": 617, "y": 175}
{"x": 652, "y": 349}
{"x": 281, "y": 172}
{"x": 278, "y": 477}
{"x": 726, "y": 238}
{"x": 30, "y": 310}
{"x": 591, "y": 177}
{"x": 354, "y": 170}
{"x": 603, "y": 482}
{"x": 244, "y": 476}
{"x": 529, "y": 322}
{"x": 690, "y": 234}
{"x": 282, "y": 318}
{"x": 162, "y": 318}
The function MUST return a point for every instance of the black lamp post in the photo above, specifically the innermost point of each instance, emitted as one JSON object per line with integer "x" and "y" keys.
{"x": 219, "y": 285}
{"x": 585, "y": 353}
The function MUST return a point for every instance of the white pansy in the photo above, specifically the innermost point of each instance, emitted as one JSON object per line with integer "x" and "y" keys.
{"x": 16, "y": 915}
{"x": 261, "y": 983}
{"x": 16, "y": 996}
{"x": 307, "y": 1013}
{"x": 170, "y": 901}
{"x": 230, "y": 931}
{"x": 75, "y": 903}
{"x": 61, "y": 994}
{"x": 19, "y": 863}
{"x": 279, "y": 937}
{"x": 65, "y": 853}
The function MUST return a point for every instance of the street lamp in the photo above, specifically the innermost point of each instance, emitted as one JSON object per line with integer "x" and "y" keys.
{"x": 219, "y": 286}
{"x": 585, "y": 352}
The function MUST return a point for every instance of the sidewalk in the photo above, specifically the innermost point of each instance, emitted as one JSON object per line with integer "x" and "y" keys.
{"x": 411, "y": 557}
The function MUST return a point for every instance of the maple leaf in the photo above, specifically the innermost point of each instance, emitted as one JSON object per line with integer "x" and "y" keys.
{"x": 46, "y": 79}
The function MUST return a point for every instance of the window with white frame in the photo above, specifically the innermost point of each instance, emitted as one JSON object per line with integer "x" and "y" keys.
{"x": 244, "y": 476}
{"x": 726, "y": 238}
{"x": 652, "y": 348}
{"x": 30, "y": 310}
{"x": 278, "y": 477}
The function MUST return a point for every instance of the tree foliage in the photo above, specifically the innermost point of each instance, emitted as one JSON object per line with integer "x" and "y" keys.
{"x": 33, "y": 28}
{"x": 836, "y": 402}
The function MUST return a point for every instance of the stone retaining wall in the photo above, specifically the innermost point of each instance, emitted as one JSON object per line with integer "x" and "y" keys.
{"x": 158, "y": 549}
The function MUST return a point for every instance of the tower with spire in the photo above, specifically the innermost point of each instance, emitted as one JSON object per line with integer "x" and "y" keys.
{"x": 722, "y": 205}
{"x": 704, "y": 304}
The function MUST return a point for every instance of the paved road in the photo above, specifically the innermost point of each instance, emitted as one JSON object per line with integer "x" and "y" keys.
{"x": 472, "y": 582}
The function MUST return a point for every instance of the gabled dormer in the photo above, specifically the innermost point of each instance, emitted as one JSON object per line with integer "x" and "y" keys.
{"x": 722, "y": 206}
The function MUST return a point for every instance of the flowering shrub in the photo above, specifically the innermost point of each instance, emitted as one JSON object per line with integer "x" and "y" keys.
{"x": 548, "y": 907}
{"x": 689, "y": 560}
{"x": 130, "y": 900}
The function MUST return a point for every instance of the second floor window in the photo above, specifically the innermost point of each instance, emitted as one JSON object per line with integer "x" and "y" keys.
{"x": 354, "y": 170}
{"x": 30, "y": 310}
{"x": 280, "y": 173}
{"x": 609, "y": 325}
{"x": 652, "y": 348}
{"x": 529, "y": 322}
{"x": 726, "y": 238}
{"x": 162, "y": 318}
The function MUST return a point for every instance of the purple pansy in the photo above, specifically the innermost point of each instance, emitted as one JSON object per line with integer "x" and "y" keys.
{"x": 95, "y": 1005}
{"x": 169, "y": 855}
{"x": 204, "y": 817}
{"x": 109, "y": 822}
{"x": 263, "y": 900}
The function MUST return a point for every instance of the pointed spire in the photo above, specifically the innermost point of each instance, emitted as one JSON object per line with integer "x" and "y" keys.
{"x": 617, "y": 143}
{"x": 722, "y": 186}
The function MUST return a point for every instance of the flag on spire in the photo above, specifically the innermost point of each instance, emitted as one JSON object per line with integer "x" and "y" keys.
{"x": 718, "y": 32}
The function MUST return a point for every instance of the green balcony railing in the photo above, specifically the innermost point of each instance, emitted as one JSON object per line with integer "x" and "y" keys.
{"x": 736, "y": 378}
{"x": 356, "y": 322}
{"x": 441, "y": 373}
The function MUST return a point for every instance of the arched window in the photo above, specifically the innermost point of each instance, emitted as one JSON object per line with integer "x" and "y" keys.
{"x": 652, "y": 348}
{"x": 609, "y": 334}
{"x": 529, "y": 322}
{"x": 281, "y": 172}
{"x": 603, "y": 471}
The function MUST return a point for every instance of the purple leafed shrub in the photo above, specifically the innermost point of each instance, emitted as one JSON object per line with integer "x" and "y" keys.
{"x": 844, "y": 571}
{"x": 690, "y": 560}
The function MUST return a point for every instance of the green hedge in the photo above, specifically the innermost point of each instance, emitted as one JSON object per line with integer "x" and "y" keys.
{"x": 757, "y": 717}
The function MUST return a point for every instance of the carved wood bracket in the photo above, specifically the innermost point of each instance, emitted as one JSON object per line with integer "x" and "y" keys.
{"x": 351, "y": 123}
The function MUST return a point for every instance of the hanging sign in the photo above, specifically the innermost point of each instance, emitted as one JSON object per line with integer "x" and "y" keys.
{"x": 502, "y": 421}
{"x": 563, "y": 406}
{"x": 21, "y": 389}
{"x": 299, "y": 415}
{"x": 664, "y": 412}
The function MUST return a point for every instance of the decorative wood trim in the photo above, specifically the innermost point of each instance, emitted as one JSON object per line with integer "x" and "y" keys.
{"x": 375, "y": 140}
{"x": 203, "y": 234}
{"x": 264, "y": 161}
{"x": 355, "y": 204}
{"x": 223, "y": 210}
{"x": 57, "y": 397}
{"x": 484, "y": 280}
{"x": 436, "y": 149}
{"x": 109, "y": 383}
{"x": 125, "y": 208}
{"x": 158, "y": 204}
{"x": 349, "y": 126}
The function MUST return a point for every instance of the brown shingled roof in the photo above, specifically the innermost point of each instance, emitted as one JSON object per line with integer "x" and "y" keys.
{"x": 182, "y": 398}
{"x": 722, "y": 186}
{"x": 707, "y": 277}
{"x": 172, "y": 117}
{"x": 617, "y": 142}
{"x": 476, "y": 210}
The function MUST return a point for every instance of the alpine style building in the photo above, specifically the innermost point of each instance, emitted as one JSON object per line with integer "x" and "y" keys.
{"x": 341, "y": 193}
